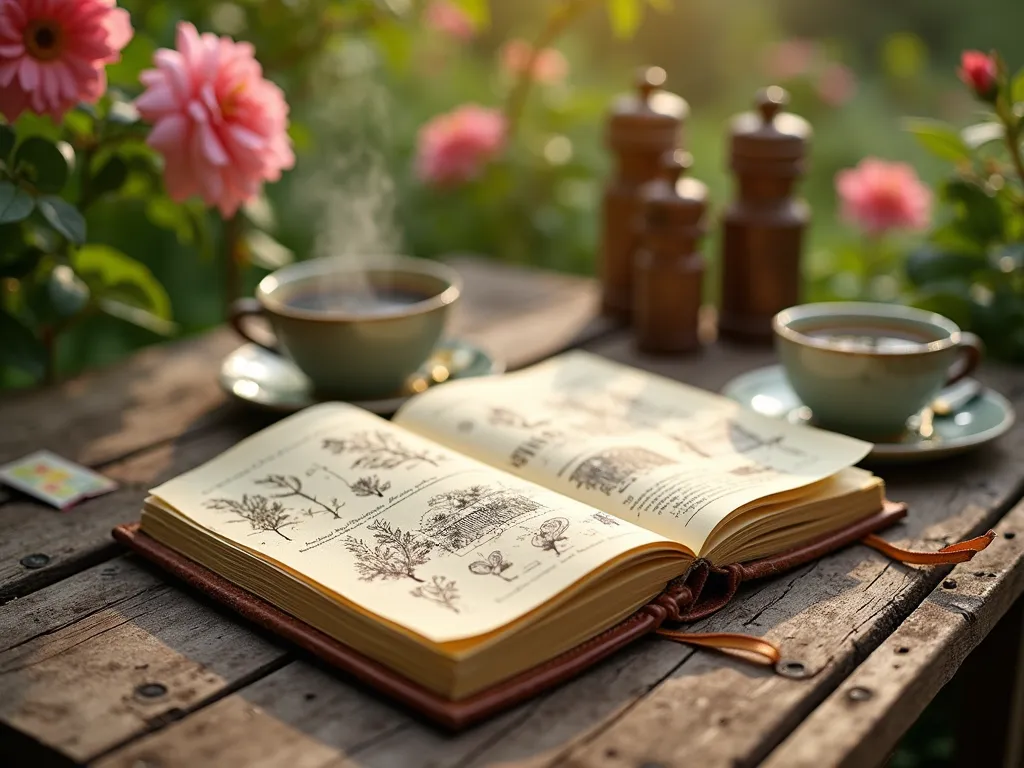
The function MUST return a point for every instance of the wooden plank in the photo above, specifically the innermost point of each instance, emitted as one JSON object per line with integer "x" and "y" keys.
{"x": 118, "y": 654}
{"x": 661, "y": 704}
{"x": 39, "y": 545}
{"x": 165, "y": 390}
{"x": 861, "y": 722}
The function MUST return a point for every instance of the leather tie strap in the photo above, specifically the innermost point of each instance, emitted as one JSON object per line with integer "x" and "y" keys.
{"x": 954, "y": 553}
{"x": 753, "y": 648}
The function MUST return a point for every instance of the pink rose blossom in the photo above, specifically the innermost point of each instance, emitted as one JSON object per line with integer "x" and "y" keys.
{"x": 53, "y": 53}
{"x": 790, "y": 58}
{"x": 879, "y": 196}
{"x": 222, "y": 128}
{"x": 550, "y": 66}
{"x": 978, "y": 70}
{"x": 447, "y": 18}
{"x": 836, "y": 85}
{"x": 454, "y": 147}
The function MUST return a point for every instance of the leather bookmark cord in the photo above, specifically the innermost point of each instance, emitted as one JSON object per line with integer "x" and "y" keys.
{"x": 954, "y": 553}
{"x": 759, "y": 650}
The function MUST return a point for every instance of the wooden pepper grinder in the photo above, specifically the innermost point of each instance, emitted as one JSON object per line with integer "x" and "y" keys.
{"x": 643, "y": 126}
{"x": 668, "y": 270}
{"x": 764, "y": 226}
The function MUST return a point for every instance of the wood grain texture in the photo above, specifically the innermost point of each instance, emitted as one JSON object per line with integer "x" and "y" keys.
{"x": 885, "y": 695}
{"x": 660, "y": 704}
{"x": 76, "y": 682}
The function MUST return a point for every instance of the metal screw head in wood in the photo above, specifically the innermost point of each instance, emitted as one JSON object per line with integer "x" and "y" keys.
{"x": 36, "y": 560}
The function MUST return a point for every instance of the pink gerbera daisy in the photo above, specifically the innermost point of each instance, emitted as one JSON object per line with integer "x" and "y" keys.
{"x": 53, "y": 53}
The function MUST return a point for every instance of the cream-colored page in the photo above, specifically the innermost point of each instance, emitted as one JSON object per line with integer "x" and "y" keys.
{"x": 672, "y": 458}
{"x": 434, "y": 541}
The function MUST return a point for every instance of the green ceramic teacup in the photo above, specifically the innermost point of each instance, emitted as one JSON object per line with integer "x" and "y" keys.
{"x": 356, "y": 332}
{"x": 864, "y": 369}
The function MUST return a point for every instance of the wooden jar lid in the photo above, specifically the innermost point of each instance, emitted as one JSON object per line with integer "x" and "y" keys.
{"x": 648, "y": 117}
{"x": 768, "y": 133}
{"x": 673, "y": 199}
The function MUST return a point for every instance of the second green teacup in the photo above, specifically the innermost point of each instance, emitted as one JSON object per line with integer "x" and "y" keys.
{"x": 864, "y": 369}
{"x": 356, "y": 332}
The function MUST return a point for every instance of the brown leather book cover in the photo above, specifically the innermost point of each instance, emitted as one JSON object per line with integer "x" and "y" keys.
{"x": 702, "y": 591}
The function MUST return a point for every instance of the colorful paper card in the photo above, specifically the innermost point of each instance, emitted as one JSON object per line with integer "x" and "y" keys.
{"x": 56, "y": 481}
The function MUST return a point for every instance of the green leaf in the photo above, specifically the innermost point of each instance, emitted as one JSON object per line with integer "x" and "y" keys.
{"x": 477, "y": 11}
{"x": 980, "y": 134}
{"x": 63, "y": 217}
{"x": 43, "y": 163}
{"x": 930, "y": 265}
{"x": 624, "y": 16}
{"x": 938, "y": 138}
{"x": 20, "y": 264}
{"x": 116, "y": 276}
{"x": 110, "y": 178}
{"x": 15, "y": 203}
{"x": 68, "y": 294}
{"x": 7, "y": 140}
{"x": 1017, "y": 87}
{"x": 137, "y": 316}
{"x": 981, "y": 216}
{"x": 21, "y": 349}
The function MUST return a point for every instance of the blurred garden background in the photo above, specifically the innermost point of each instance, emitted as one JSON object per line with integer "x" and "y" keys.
{"x": 362, "y": 78}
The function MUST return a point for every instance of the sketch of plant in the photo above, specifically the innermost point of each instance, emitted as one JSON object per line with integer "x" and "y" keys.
{"x": 504, "y": 417}
{"x": 292, "y": 486}
{"x": 605, "y": 518}
{"x": 260, "y": 512}
{"x": 550, "y": 533}
{"x": 606, "y": 470}
{"x": 469, "y": 517}
{"x": 379, "y": 450}
{"x": 396, "y": 556}
{"x": 494, "y": 565}
{"x": 439, "y": 590}
{"x": 369, "y": 486}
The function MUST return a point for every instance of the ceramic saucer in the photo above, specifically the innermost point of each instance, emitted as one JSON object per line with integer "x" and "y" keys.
{"x": 980, "y": 421}
{"x": 262, "y": 378}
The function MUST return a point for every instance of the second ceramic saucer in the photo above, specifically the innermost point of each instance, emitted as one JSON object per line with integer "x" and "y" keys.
{"x": 980, "y": 421}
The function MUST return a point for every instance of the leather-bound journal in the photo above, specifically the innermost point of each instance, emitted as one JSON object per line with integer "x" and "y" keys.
{"x": 502, "y": 534}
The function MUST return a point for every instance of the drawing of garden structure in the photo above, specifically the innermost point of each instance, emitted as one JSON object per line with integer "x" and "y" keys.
{"x": 461, "y": 520}
{"x": 607, "y": 470}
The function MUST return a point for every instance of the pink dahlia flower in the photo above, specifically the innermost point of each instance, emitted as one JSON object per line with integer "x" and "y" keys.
{"x": 550, "y": 66}
{"x": 222, "y": 127}
{"x": 454, "y": 147}
{"x": 447, "y": 18}
{"x": 879, "y": 196}
{"x": 53, "y": 53}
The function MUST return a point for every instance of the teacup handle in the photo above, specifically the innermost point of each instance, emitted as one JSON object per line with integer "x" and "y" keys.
{"x": 971, "y": 350}
{"x": 245, "y": 308}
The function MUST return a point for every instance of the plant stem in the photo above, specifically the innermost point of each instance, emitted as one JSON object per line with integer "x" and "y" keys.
{"x": 1011, "y": 135}
{"x": 234, "y": 257}
{"x": 557, "y": 23}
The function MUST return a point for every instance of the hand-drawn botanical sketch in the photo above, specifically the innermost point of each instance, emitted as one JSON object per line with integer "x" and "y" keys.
{"x": 260, "y": 512}
{"x": 606, "y": 470}
{"x": 292, "y": 486}
{"x": 494, "y": 565}
{"x": 550, "y": 533}
{"x": 467, "y": 518}
{"x": 371, "y": 485}
{"x": 504, "y": 417}
{"x": 396, "y": 556}
{"x": 380, "y": 450}
{"x": 605, "y": 518}
{"x": 439, "y": 590}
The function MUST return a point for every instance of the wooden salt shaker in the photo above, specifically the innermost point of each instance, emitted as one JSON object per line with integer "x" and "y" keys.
{"x": 668, "y": 270}
{"x": 764, "y": 226}
{"x": 642, "y": 127}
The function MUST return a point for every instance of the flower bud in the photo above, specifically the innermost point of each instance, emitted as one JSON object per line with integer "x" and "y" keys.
{"x": 979, "y": 72}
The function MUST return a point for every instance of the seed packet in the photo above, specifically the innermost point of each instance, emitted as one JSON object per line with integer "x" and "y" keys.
{"x": 54, "y": 480}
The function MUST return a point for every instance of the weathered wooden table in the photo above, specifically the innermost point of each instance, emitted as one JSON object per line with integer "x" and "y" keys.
{"x": 104, "y": 661}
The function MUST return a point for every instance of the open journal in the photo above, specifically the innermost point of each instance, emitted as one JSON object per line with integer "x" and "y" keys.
{"x": 496, "y": 523}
